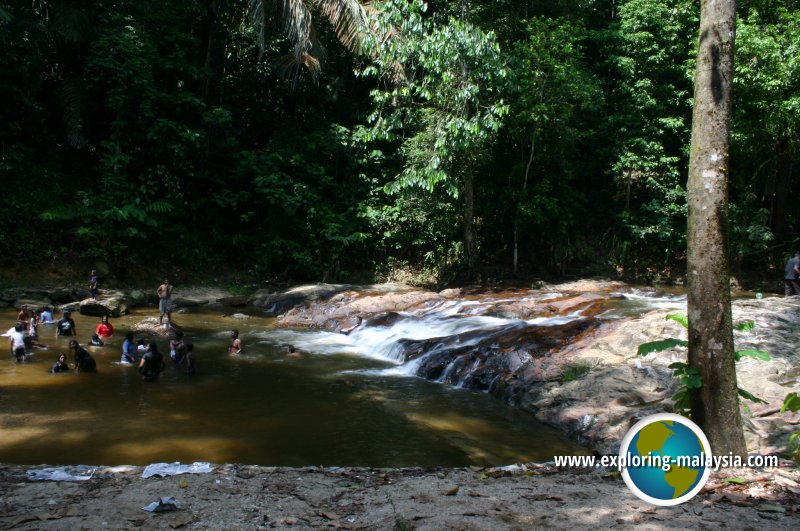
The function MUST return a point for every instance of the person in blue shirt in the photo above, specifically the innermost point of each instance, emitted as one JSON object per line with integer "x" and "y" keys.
{"x": 46, "y": 316}
{"x": 61, "y": 364}
{"x": 93, "y": 284}
{"x": 128, "y": 349}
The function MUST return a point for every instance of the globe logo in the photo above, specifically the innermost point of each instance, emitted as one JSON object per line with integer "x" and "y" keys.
{"x": 665, "y": 459}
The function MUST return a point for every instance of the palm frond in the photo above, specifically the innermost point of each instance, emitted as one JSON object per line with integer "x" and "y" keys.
{"x": 349, "y": 21}
{"x": 257, "y": 15}
{"x": 297, "y": 25}
{"x": 69, "y": 22}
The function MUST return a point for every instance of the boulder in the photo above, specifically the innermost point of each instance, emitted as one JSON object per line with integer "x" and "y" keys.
{"x": 150, "y": 326}
{"x": 111, "y": 304}
{"x": 234, "y": 301}
{"x": 139, "y": 297}
{"x": 183, "y": 302}
{"x": 31, "y": 303}
{"x": 69, "y": 307}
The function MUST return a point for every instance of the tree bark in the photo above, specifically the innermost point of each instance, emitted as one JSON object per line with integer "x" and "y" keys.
{"x": 519, "y": 203}
{"x": 715, "y": 406}
{"x": 469, "y": 223}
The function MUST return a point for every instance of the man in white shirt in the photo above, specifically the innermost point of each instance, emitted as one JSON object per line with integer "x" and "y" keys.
{"x": 17, "y": 340}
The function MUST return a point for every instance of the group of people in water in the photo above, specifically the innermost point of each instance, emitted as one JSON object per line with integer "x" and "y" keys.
{"x": 143, "y": 353}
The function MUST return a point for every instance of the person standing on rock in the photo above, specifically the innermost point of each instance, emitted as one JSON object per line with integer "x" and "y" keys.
{"x": 791, "y": 285}
{"x": 164, "y": 292}
{"x": 93, "y": 284}
{"x": 66, "y": 326}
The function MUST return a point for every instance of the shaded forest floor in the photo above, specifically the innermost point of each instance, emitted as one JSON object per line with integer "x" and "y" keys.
{"x": 251, "y": 497}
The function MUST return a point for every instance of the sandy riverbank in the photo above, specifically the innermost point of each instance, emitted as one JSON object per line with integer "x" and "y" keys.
{"x": 250, "y": 497}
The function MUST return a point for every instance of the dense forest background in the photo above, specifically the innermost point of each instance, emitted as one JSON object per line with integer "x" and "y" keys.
{"x": 459, "y": 139}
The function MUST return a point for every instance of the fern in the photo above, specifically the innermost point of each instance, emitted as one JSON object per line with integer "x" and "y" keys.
{"x": 159, "y": 207}
{"x": 678, "y": 318}
{"x": 750, "y": 353}
{"x": 658, "y": 346}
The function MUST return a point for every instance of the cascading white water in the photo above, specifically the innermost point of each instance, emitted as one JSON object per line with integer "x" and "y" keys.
{"x": 445, "y": 320}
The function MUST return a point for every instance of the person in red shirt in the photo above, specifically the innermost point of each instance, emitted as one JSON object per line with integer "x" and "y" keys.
{"x": 104, "y": 329}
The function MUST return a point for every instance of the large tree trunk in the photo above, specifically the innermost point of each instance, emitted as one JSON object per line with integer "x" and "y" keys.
{"x": 518, "y": 215}
{"x": 715, "y": 406}
{"x": 469, "y": 223}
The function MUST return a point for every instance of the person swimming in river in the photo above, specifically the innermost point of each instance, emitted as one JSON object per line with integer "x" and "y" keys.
{"x": 177, "y": 348}
{"x": 190, "y": 366}
{"x": 17, "y": 342}
{"x": 22, "y": 316}
{"x": 128, "y": 350}
{"x": 96, "y": 341}
{"x": 236, "y": 343}
{"x": 291, "y": 352}
{"x": 46, "y": 316}
{"x": 105, "y": 329}
{"x": 60, "y": 365}
{"x": 84, "y": 362}
{"x": 152, "y": 363}
{"x": 66, "y": 326}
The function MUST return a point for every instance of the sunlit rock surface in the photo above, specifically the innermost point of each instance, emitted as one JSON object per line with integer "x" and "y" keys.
{"x": 565, "y": 352}
{"x": 107, "y": 303}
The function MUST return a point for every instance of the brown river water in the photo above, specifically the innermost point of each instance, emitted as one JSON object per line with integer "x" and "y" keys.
{"x": 332, "y": 408}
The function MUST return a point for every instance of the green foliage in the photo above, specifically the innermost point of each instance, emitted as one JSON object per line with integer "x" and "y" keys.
{"x": 792, "y": 403}
{"x": 755, "y": 354}
{"x": 679, "y": 318}
{"x": 651, "y": 57}
{"x": 660, "y": 345}
{"x": 162, "y": 134}
{"x": 446, "y": 104}
{"x": 750, "y": 396}
{"x": 744, "y": 326}
{"x": 690, "y": 377}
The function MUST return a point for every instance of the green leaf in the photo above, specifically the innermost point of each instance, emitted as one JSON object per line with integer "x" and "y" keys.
{"x": 678, "y": 318}
{"x": 745, "y": 326}
{"x": 750, "y": 353}
{"x": 750, "y": 396}
{"x": 692, "y": 381}
{"x": 791, "y": 403}
{"x": 658, "y": 346}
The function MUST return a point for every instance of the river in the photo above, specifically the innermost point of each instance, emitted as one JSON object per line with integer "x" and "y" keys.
{"x": 337, "y": 405}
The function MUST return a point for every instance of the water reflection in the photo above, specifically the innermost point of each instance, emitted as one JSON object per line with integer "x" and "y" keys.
{"x": 332, "y": 407}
